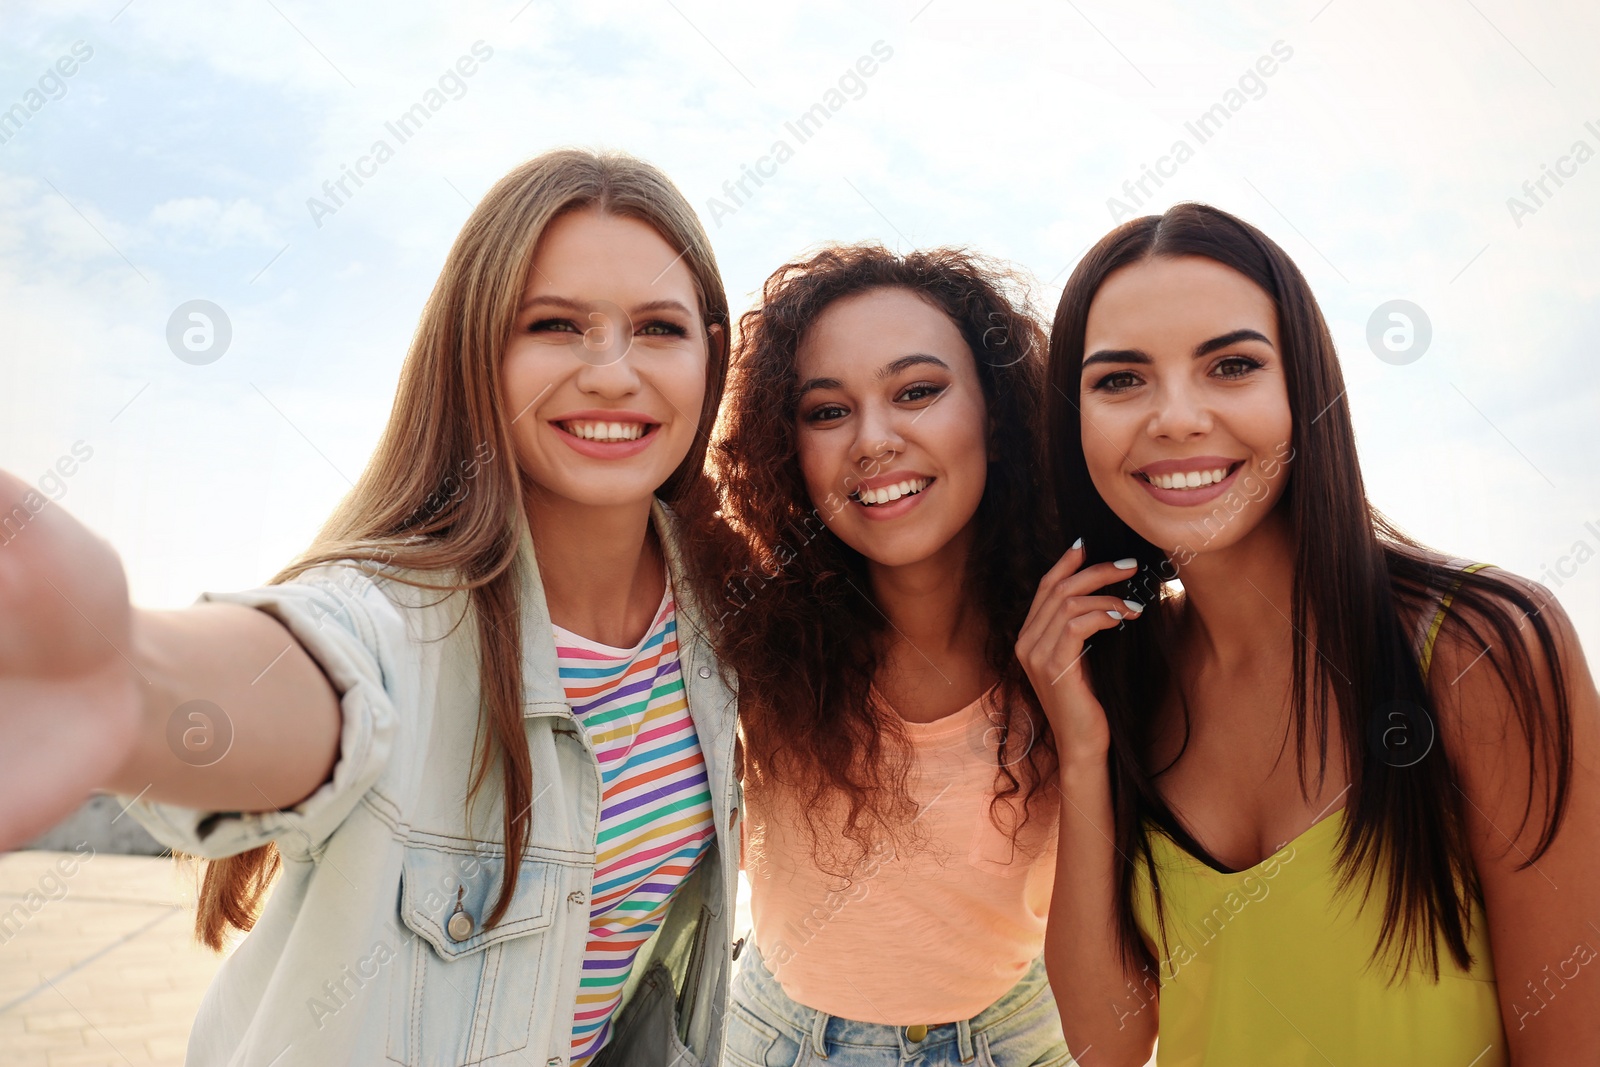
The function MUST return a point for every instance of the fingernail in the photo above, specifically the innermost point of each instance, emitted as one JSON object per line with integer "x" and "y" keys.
{"x": 1115, "y": 614}
{"x": 1076, "y": 544}
{"x": 1126, "y": 564}
{"x": 1134, "y": 606}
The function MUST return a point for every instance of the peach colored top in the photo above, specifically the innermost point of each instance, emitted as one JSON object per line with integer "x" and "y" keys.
{"x": 931, "y": 936}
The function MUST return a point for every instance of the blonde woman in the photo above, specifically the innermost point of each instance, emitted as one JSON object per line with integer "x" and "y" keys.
{"x": 490, "y": 651}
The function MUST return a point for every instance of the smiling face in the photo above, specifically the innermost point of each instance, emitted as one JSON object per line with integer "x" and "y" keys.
{"x": 1186, "y": 420}
{"x": 605, "y": 372}
{"x": 891, "y": 426}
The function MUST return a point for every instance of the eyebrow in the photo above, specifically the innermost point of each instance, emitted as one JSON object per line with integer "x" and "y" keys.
{"x": 579, "y": 305}
{"x": 888, "y": 370}
{"x": 1204, "y": 348}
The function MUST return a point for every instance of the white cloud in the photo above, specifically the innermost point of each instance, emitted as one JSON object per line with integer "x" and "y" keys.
{"x": 1381, "y": 156}
{"x": 211, "y": 221}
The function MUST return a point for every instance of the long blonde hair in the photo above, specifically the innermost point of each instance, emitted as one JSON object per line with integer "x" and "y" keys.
{"x": 447, "y": 408}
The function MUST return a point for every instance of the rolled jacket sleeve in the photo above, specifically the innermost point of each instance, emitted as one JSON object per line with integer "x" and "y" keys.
{"x": 352, "y": 629}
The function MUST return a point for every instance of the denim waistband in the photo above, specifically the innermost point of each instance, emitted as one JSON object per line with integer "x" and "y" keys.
{"x": 755, "y": 982}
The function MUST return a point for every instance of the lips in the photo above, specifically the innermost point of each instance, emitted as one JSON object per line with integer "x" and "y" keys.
{"x": 1189, "y": 482}
{"x": 606, "y": 434}
{"x": 1188, "y": 477}
{"x": 889, "y": 496}
{"x": 878, "y": 496}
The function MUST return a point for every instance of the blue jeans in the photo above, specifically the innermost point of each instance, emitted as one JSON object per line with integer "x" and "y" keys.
{"x": 767, "y": 1029}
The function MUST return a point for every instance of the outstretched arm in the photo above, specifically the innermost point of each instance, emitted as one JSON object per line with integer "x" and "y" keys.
{"x": 89, "y": 687}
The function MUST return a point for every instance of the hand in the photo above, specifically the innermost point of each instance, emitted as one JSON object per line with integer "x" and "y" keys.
{"x": 69, "y": 696}
{"x": 1064, "y": 615}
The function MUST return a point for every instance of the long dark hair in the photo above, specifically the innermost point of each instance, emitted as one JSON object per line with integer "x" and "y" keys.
{"x": 1354, "y": 573}
{"x": 799, "y": 626}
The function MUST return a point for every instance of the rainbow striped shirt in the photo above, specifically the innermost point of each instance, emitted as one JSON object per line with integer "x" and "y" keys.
{"x": 655, "y": 807}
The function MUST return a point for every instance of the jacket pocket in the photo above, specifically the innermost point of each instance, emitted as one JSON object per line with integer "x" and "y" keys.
{"x": 468, "y": 994}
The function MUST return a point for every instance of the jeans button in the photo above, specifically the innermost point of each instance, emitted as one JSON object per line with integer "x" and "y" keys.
{"x": 916, "y": 1033}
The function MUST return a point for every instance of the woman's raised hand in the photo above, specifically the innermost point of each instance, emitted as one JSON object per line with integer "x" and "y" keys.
{"x": 1065, "y": 614}
{"x": 69, "y": 696}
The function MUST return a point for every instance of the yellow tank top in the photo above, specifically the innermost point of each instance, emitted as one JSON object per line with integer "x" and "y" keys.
{"x": 1270, "y": 965}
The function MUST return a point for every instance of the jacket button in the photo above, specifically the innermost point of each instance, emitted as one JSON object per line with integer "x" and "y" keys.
{"x": 460, "y": 926}
{"x": 738, "y": 947}
{"x": 705, "y": 672}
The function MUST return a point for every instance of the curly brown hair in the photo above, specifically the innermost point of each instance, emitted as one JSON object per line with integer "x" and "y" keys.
{"x": 798, "y": 624}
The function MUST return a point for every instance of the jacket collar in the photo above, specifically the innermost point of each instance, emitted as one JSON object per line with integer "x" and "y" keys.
{"x": 542, "y": 691}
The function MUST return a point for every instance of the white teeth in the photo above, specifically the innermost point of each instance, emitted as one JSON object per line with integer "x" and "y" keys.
{"x": 605, "y": 431}
{"x": 892, "y": 492}
{"x": 1188, "y": 479}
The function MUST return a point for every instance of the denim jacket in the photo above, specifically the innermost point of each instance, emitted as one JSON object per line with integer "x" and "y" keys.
{"x": 355, "y": 958}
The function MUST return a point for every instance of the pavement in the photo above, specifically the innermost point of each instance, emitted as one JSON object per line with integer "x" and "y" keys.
{"x": 98, "y": 962}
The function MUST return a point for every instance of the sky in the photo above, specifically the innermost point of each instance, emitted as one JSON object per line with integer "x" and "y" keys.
{"x": 1397, "y": 152}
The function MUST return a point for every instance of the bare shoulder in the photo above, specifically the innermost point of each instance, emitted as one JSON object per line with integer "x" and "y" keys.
{"x": 1497, "y": 620}
{"x": 1507, "y": 672}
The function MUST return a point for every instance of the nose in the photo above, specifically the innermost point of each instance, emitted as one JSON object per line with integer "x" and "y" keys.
{"x": 605, "y": 352}
{"x": 878, "y": 437}
{"x": 1180, "y": 413}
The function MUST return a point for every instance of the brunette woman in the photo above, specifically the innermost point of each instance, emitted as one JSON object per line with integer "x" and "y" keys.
{"x": 878, "y": 458}
{"x": 475, "y": 732}
{"x": 1338, "y": 799}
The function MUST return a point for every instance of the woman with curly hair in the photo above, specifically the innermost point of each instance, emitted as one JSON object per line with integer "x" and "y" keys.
{"x": 875, "y": 460}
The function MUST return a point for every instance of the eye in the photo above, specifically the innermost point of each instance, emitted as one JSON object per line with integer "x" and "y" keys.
{"x": 920, "y": 391}
{"x": 552, "y": 325}
{"x": 825, "y": 413}
{"x": 1236, "y": 366}
{"x": 662, "y": 328}
{"x": 1116, "y": 382}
